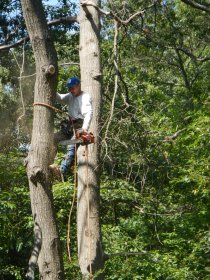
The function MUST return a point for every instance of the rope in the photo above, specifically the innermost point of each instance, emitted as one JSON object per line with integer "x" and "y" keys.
{"x": 49, "y": 106}
{"x": 73, "y": 199}
{"x": 71, "y": 209}
{"x": 88, "y": 213}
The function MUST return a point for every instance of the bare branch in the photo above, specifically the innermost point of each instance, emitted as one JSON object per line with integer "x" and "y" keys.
{"x": 69, "y": 63}
{"x": 139, "y": 13}
{"x": 111, "y": 13}
{"x": 90, "y": 3}
{"x": 203, "y": 3}
{"x": 196, "y": 5}
{"x": 107, "y": 257}
{"x": 24, "y": 77}
{"x": 115, "y": 51}
{"x": 191, "y": 55}
{"x": 182, "y": 69}
{"x": 63, "y": 20}
{"x": 174, "y": 136}
{"x": 21, "y": 68}
{"x": 19, "y": 42}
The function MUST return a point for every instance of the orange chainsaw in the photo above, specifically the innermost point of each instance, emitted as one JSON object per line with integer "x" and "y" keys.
{"x": 81, "y": 137}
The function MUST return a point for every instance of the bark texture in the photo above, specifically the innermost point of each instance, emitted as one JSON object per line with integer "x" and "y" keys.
{"x": 90, "y": 250}
{"x": 47, "y": 249}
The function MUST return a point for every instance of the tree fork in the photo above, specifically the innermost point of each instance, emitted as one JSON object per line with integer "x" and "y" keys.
{"x": 41, "y": 153}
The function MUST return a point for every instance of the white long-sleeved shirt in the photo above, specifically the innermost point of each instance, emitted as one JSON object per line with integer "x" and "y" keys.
{"x": 79, "y": 107}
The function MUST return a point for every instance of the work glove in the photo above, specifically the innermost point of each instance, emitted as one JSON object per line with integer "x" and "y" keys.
{"x": 80, "y": 132}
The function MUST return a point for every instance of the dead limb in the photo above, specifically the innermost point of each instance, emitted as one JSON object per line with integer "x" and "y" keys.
{"x": 115, "y": 51}
{"x": 112, "y": 14}
{"x": 203, "y": 7}
{"x": 121, "y": 254}
{"x": 174, "y": 136}
{"x": 63, "y": 20}
{"x": 192, "y": 56}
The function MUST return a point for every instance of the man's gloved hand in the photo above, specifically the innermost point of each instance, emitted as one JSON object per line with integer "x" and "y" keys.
{"x": 80, "y": 132}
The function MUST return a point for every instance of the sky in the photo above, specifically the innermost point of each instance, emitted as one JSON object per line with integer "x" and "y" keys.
{"x": 55, "y": 2}
{"x": 51, "y": 2}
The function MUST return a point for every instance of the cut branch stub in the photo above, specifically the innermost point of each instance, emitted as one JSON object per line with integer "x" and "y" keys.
{"x": 49, "y": 69}
{"x": 37, "y": 175}
{"x": 96, "y": 75}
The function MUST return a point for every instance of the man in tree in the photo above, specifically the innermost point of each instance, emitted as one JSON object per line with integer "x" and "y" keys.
{"x": 80, "y": 115}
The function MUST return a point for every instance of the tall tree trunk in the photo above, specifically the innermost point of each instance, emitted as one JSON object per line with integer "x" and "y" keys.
{"x": 88, "y": 219}
{"x": 47, "y": 248}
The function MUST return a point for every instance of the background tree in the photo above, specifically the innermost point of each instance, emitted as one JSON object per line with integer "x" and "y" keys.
{"x": 47, "y": 248}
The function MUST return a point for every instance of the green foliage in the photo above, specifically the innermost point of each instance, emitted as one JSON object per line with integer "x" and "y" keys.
{"x": 154, "y": 183}
{"x": 63, "y": 198}
{"x": 162, "y": 213}
{"x": 15, "y": 219}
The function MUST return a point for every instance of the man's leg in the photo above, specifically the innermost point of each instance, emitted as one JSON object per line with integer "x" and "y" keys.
{"x": 59, "y": 136}
{"x": 69, "y": 158}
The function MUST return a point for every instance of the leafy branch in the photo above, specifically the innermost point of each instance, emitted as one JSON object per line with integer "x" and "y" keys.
{"x": 62, "y": 20}
{"x": 203, "y": 7}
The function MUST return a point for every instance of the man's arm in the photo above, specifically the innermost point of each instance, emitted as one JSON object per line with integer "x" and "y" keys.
{"x": 63, "y": 98}
{"x": 87, "y": 111}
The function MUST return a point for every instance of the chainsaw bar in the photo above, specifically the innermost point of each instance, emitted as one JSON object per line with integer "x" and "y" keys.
{"x": 83, "y": 139}
{"x": 71, "y": 141}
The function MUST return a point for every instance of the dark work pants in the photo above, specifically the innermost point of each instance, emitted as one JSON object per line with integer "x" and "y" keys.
{"x": 62, "y": 135}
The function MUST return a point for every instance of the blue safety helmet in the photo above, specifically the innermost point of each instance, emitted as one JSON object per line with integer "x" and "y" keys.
{"x": 73, "y": 81}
